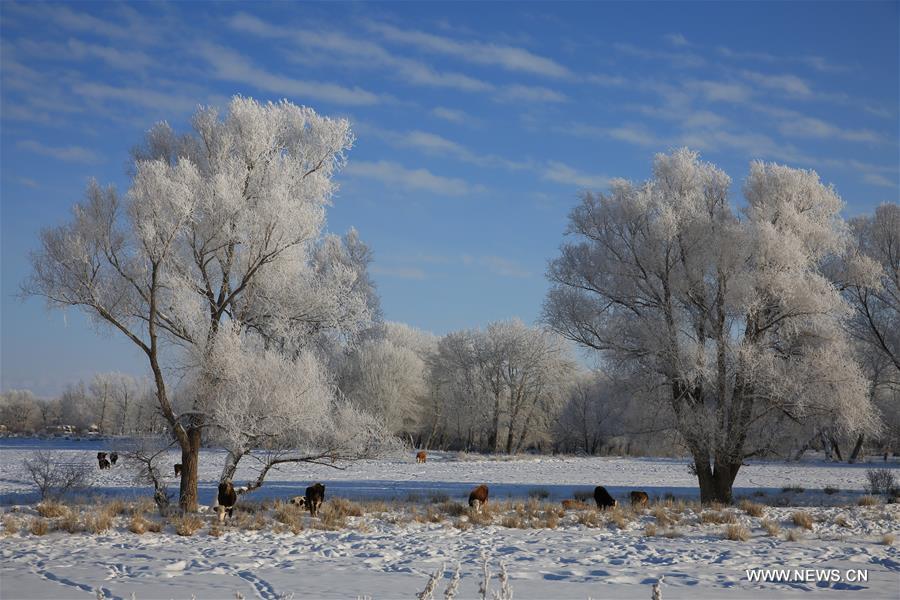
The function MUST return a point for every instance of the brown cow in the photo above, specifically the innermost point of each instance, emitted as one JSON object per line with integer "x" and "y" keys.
{"x": 572, "y": 504}
{"x": 478, "y": 497}
{"x": 603, "y": 499}
{"x": 421, "y": 456}
{"x": 177, "y": 469}
{"x": 315, "y": 496}
{"x": 639, "y": 498}
{"x": 227, "y": 498}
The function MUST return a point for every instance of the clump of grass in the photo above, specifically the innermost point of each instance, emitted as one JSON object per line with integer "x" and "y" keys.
{"x": 650, "y": 530}
{"x": 345, "y": 507}
{"x": 142, "y": 506}
{"x": 772, "y": 527}
{"x": 51, "y": 509}
{"x": 588, "y": 518}
{"x": 462, "y": 524}
{"x": 433, "y": 515}
{"x": 718, "y": 517}
{"x": 483, "y": 517}
{"x": 867, "y": 501}
{"x": 661, "y": 515}
{"x": 138, "y": 524}
{"x": 831, "y": 490}
{"x": 215, "y": 530}
{"x": 551, "y": 519}
{"x": 39, "y": 526}
{"x": 438, "y": 498}
{"x": 737, "y": 533}
{"x": 793, "y": 535}
{"x": 888, "y": 539}
{"x": 672, "y": 533}
{"x": 154, "y": 526}
{"x": 619, "y": 517}
{"x": 11, "y": 525}
{"x": 187, "y": 525}
{"x": 290, "y": 515}
{"x": 801, "y": 518}
{"x": 753, "y": 509}
{"x": 98, "y": 520}
{"x": 841, "y": 520}
{"x": 792, "y": 488}
{"x": 331, "y": 517}
{"x": 514, "y": 521}
{"x": 454, "y": 509}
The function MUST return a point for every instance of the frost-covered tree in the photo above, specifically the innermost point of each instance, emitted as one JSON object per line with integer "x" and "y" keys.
{"x": 220, "y": 226}
{"x": 387, "y": 373}
{"x": 731, "y": 316}
{"x": 500, "y": 388}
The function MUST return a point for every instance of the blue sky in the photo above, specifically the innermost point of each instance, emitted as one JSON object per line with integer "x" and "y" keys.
{"x": 477, "y": 126}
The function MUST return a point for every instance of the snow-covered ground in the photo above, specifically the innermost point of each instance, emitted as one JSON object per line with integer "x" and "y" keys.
{"x": 390, "y": 555}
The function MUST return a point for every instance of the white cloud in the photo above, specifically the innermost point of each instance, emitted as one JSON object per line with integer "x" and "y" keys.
{"x": 879, "y": 180}
{"x": 497, "y": 265}
{"x": 562, "y": 173}
{"x": 391, "y": 173}
{"x": 452, "y": 115}
{"x": 525, "y": 93}
{"x": 139, "y": 96}
{"x": 720, "y": 91}
{"x": 64, "y": 153}
{"x": 676, "y": 39}
{"x": 677, "y": 59}
{"x": 398, "y": 272}
{"x": 788, "y": 84}
{"x": 508, "y": 57}
{"x": 228, "y": 65}
{"x": 810, "y": 127}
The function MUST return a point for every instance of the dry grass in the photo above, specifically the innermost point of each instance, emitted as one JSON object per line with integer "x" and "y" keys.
{"x": 187, "y": 525}
{"x": 454, "y": 509}
{"x": 718, "y": 517}
{"x": 793, "y": 535}
{"x": 888, "y": 539}
{"x": 621, "y": 517}
{"x": 483, "y": 517}
{"x": 346, "y": 507}
{"x": 138, "y": 524}
{"x": 514, "y": 521}
{"x": 831, "y": 490}
{"x": 11, "y": 525}
{"x": 841, "y": 520}
{"x": 792, "y": 488}
{"x": 737, "y": 533}
{"x": 98, "y": 520}
{"x": 753, "y": 509}
{"x": 215, "y": 530}
{"x": 672, "y": 533}
{"x": 154, "y": 526}
{"x": 650, "y": 530}
{"x": 573, "y": 504}
{"x": 39, "y": 526}
{"x": 801, "y": 518}
{"x": 662, "y": 516}
{"x": 585, "y": 496}
{"x": 330, "y": 518}
{"x": 288, "y": 514}
{"x": 867, "y": 501}
{"x": 589, "y": 518}
{"x": 51, "y": 509}
{"x": 772, "y": 527}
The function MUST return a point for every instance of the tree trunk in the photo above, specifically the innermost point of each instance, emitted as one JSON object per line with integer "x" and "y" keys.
{"x": 716, "y": 483}
{"x": 190, "y": 461}
{"x": 855, "y": 454}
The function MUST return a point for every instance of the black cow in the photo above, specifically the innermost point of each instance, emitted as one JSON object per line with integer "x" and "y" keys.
{"x": 603, "y": 499}
{"x": 227, "y": 499}
{"x": 177, "y": 469}
{"x": 315, "y": 496}
{"x": 113, "y": 457}
{"x": 104, "y": 464}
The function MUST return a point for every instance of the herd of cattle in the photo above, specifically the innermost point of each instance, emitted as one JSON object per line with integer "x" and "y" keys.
{"x": 315, "y": 494}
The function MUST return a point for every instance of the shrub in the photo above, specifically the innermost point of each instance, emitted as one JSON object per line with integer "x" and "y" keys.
{"x": 793, "y": 535}
{"x": 215, "y": 530}
{"x": 289, "y": 514}
{"x": 772, "y": 527}
{"x": 831, "y": 490}
{"x": 662, "y": 516}
{"x": 867, "y": 501}
{"x": 888, "y": 539}
{"x": 792, "y": 488}
{"x": 881, "y": 483}
{"x": 454, "y": 509}
{"x": 802, "y": 519}
{"x": 345, "y": 507}
{"x": 514, "y": 522}
{"x": 39, "y": 526}
{"x": 138, "y": 524}
{"x": 672, "y": 533}
{"x": 154, "y": 526}
{"x": 588, "y": 518}
{"x": 717, "y": 517}
{"x": 53, "y": 478}
{"x": 438, "y": 498}
{"x": 650, "y": 530}
{"x": 737, "y": 533}
{"x": 98, "y": 521}
{"x": 752, "y": 508}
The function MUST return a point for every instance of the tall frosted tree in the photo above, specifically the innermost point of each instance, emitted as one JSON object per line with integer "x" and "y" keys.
{"x": 221, "y": 228}
{"x": 729, "y": 314}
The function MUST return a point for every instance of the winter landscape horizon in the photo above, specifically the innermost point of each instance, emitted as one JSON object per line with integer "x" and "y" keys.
{"x": 450, "y": 300}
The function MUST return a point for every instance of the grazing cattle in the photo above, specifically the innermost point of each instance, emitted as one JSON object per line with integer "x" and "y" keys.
{"x": 177, "y": 469}
{"x": 478, "y": 497}
{"x": 298, "y": 501}
{"x": 101, "y": 455}
{"x": 639, "y": 498}
{"x": 315, "y": 496}
{"x": 113, "y": 457}
{"x": 227, "y": 499}
{"x": 104, "y": 464}
{"x": 421, "y": 456}
{"x": 603, "y": 499}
